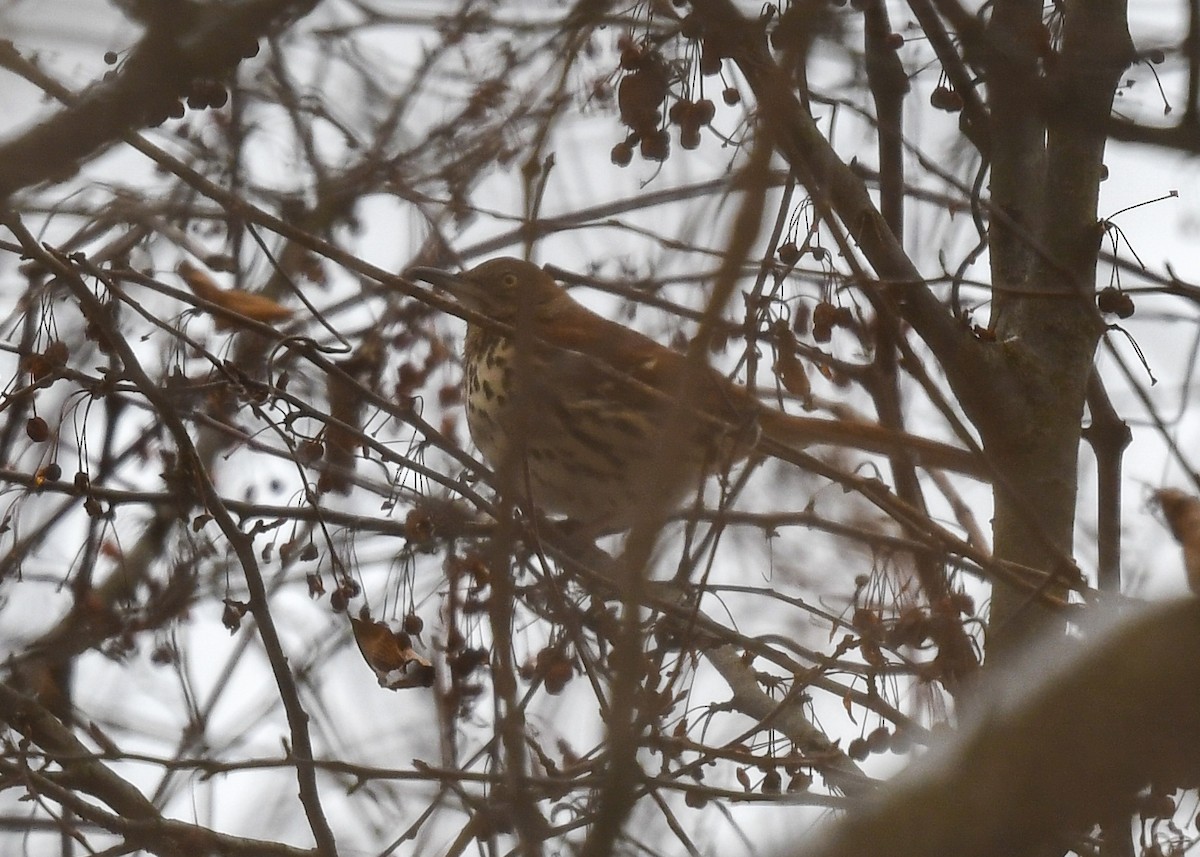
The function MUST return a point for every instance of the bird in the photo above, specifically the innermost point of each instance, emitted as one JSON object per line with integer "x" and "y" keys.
{"x": 598, "y": 422}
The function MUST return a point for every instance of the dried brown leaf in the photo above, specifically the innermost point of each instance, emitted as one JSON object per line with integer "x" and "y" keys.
{"x": 249, "y": 305}
{"x": 1182, "y": 513}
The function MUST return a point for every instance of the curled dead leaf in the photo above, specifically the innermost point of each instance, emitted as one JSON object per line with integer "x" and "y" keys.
{"x": 790, "y": 371}
{"x": 391, "y": 656}
{"x": 242, "y": 303}
{"x": 1182, "y": 513}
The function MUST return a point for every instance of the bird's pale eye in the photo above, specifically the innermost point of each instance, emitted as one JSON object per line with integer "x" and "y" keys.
{"x": 509, "y": 281}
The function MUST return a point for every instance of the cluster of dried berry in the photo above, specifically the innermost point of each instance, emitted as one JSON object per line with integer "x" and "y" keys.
{"x": 640, "y": 96}
{"x": 645, "y": 88}
{"x": 690, "y": 116}
{"x": 826, "y": 317}
{"x": 878, "y": 740}
{"x": 789, "y": 253}
{"x": 1112, "y": 300}
{"x": 203, "y": 90}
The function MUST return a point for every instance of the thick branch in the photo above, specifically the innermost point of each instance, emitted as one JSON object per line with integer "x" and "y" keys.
{"x": 838, "y": 191}
{"x": 186, "y": 43}
{"x": 134, "y": 816}
{"x": 1059, "y": 748}
{"x": 1009, "y": 55}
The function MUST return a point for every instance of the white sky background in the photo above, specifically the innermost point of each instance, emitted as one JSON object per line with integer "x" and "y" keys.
{"x": 387, "y": 729}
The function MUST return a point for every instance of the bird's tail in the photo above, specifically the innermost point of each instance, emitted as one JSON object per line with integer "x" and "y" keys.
{"x": 799, "y": 432}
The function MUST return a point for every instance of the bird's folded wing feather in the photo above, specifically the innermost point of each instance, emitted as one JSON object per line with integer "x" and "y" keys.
{"x": 577, "y": 329}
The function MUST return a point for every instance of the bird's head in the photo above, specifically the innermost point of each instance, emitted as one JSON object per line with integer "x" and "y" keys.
{"x": 502, "y": 289}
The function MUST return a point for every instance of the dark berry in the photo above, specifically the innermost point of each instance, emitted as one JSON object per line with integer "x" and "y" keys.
{"x": 37, "y": 429}
{"x": 858, "y": 750}
{"x": 1113, "y": 300}
{"x": 631, "y": 58}
{"x": 945, "y": 98}
{"x": 656, "y": 146}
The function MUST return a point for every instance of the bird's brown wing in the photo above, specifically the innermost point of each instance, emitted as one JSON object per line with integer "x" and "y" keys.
{"x": 576, "y": 328}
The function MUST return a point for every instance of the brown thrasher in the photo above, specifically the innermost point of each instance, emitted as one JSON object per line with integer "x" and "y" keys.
{"x": 590, "y": 415}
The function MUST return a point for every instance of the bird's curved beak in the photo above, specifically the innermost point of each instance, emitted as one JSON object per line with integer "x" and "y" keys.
{"x": 459, "y": 286}
{"x": 436, "y": 276}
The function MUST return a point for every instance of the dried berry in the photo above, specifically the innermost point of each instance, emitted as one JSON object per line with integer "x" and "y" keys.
{"x": 37, "y": 429}
{"x": 656, "y": 146}
{"x": 730, "y": 95}
{"x": 772, "y": 783}
{"x": 691, "y": 28}
{"x": 858, "y": 749}
{"x": 557, "y": 676}
{"x": 945, "y": 98}
{"x": 824, "y": 315}
{"x": 800, "y": 782}
{"x": 1156, "y": 806}
{"x": 1112, "y": 300}
{"x": 788, "y": 253}
{"x": 418, "y": 526}
{"x": 638, "y": 96}
{"x": 900, "y": 742}
{"x": 56, "y": 353}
